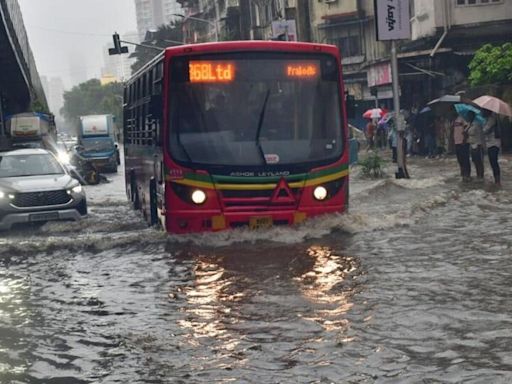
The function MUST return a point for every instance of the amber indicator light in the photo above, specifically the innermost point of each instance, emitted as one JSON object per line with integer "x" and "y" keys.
{"x": 302, "y": 70}
{"x": 211, "y": 71}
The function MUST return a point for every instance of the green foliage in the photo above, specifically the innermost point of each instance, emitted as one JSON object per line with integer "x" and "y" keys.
{"x": 37, "y": 106}
{"x": 371, "y": 166}
{"x": 165, "y": 36}
{"x": 91, "y": 98}
{"x": 491, "y": 64}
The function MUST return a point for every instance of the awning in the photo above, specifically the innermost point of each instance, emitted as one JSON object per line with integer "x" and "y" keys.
{"x": 342, "y": 23}
{"x": 425, "y": 52}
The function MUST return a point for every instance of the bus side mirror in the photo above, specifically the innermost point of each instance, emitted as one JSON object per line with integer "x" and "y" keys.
{"x": 350, "y": 105}
{"x": 155, "y": 107}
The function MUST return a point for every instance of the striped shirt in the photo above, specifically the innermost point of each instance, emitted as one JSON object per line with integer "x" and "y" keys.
{"x": 458, "y": 130}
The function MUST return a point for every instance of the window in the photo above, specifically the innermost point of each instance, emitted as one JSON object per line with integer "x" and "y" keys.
{"x": 462, "y": 3}
{"x": 348, "y": 45}
{"x": 140, "y": 127}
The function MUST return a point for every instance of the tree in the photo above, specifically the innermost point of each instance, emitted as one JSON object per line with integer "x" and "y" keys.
{"x": 165, "y": 36}
{"x": 491, "y": 64}
{"x": 92, "y": 98}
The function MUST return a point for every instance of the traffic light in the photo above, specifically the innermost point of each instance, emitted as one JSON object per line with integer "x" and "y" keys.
{"x": 118, "y": 49}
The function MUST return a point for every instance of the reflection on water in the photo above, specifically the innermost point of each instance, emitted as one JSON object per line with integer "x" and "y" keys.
{"x": 267, "y": 306}
{"x": 14, "y": 317}
{"x": 329, "y": 282}
{"x": 411, "y": 286}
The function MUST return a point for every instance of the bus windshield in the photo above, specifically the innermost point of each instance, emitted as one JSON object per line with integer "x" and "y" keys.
{"x": 250, "y": 109}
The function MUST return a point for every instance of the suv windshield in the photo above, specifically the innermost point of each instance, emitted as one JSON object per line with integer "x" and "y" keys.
{"x": 29, "y": 165}
{"x": 98, "y": 145}
{"x": 255, "y": 109}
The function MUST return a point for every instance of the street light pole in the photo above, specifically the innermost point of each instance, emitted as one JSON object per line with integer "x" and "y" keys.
{"x": 214, "y": 24}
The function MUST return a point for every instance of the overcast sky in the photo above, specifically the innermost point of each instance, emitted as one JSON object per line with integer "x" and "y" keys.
{"x": 68, "y": 36}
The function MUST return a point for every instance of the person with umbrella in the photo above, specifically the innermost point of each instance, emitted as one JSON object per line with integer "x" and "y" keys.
{"x": 492, "y": 134}
{"x": 476, "y": 141}
{"x": 492, "y": 106}
{"x": 462, "y": 148}
{"x": 370, "y": 132}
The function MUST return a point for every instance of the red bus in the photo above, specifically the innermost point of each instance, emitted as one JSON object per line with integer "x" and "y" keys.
{"x": 229, "y": 134}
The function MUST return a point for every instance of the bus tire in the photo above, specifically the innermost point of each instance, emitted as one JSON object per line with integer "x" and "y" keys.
{"x": 134, "y": 194}
{"x": 153, "y": 209}
{"x": 136, "y": 200}
{"x": 131, "y": 185}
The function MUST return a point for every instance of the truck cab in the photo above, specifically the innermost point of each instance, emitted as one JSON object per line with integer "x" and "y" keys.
{"x": 31, "y": 130}
{"x": 96, "y": 142}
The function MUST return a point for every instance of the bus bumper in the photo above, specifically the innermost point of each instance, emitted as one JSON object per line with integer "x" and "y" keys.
{"x": 187, "y": 222}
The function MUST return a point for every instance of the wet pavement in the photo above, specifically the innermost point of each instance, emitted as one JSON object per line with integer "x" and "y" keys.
{"x": 412, "y": 286}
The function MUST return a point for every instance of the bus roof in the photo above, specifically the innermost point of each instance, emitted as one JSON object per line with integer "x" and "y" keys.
{"x": 252, "y": 45}
{"x": 239, "y": 46}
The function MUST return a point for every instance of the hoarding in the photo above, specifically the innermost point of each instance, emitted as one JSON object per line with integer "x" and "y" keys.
{"x": 284, "y": 28}
{"x": 379, "y": 74}
{"x": 392, "y": 19}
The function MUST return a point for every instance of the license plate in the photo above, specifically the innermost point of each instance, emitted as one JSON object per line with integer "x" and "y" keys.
{"x": 260, "y": 222}
{"x": 44, "y": 216}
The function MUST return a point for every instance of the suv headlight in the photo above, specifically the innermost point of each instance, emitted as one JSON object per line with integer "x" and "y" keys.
{"x": 75, "y": 189}
{"x": 64, "y": 157}
{"x": 4, "y": 195}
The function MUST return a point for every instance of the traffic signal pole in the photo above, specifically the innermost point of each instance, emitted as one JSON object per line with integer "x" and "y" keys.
{"x": 119, "y": 49}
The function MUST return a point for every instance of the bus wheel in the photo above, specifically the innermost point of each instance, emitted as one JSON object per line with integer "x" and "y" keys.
{"x": 153, "y": 218}
{"x": 134, "y": 194}
{"x": 135, "y": 200}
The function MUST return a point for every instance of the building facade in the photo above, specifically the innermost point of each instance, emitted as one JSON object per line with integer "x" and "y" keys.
{"x": 153, "y": 13}
{"x": 444, "y": 37}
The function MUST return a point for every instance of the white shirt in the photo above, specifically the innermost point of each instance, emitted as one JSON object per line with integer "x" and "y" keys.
{"x": 475, "y": 134}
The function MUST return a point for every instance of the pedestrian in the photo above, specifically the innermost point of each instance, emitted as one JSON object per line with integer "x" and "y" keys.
{"x": 409, "y": 138}
{"x": 370, "y": 133}
{"x": 381, "y": 135}
{"x": 476, "y": 141}
{"x": 430, "y": 139}
{"x": 462, "y": 148}
{"x": 393, "y": 139}
{"x": 440, "y": 136}
{"x": 492, "y": 134}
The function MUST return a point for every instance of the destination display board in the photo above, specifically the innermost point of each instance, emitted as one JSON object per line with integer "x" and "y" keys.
{"x": 219, "y": 71}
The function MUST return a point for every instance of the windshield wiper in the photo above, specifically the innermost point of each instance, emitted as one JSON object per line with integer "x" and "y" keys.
{"x": 260, "y": 124}
{"x": 178, "y": 140}
{"x": 182, "y": 147}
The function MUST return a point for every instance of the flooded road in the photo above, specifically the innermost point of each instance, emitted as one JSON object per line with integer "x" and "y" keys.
{"x": 412, "y": 286}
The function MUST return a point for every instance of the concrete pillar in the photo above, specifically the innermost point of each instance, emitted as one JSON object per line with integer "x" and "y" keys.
{"x": 303, "y": 21}
{"x": 245, "y": 20}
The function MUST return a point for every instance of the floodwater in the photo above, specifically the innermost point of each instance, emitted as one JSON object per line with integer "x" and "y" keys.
{"x": 412, "y": 286}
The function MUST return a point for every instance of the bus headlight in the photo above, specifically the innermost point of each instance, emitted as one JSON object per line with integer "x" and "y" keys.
{"x": 2, "y": 194}
{"x": 198, "y": 197}
{"x": 320, "y": 193}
